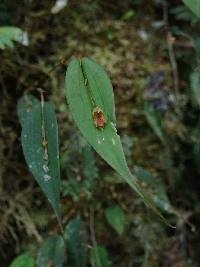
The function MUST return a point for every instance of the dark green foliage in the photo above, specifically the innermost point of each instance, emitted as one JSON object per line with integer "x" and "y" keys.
{"x": 154, "y": 120}
{"x": 99, "y": 256}
{"x": 23, "y": 260}
{"x": 52, "y": 252}
{"x": 194, "y": 5}
{"x": 75, "y": 236}
{"x": 115, "y": 217}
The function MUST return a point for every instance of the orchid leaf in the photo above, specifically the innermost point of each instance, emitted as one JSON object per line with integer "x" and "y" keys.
{"x": 89, "y": 91}
{"x": 52, "y": 252}
{"x": 39, "y": 139}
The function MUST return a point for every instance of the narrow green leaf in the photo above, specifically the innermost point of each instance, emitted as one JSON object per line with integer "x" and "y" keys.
{"x": 115, "y": 217}
{"x": 42, "y": 159}
{"x": 88, "y": 87}
{"x": 52, "y": 252}
{"x": 75, "y": 235}
{"x": 99, "y": 256}
{"x": 23, "y": 260}
{"x": 154, "y": 120}
{"x": 194, "y": 5}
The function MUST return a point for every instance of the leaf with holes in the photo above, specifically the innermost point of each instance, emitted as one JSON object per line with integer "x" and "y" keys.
{"x": 89, "y": 91}
{"x": 52, "y": 252}
{"x": 42, "y": 156}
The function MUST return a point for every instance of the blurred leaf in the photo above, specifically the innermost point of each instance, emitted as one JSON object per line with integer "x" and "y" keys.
{"x": 23, "y": 260}
{"x": 43, "y": 161}
{"x": 88, "y": 88}
{"x": 153, "y": 118}
{"x": 196, "y": 41}
{"x": 128, "y": 15}
{"x": 90, "y": 170}
{"x": 58, "y": 6}
{"x": 71, "y": 188}
{"x": 52, "y": 252}
{"x": 196, "y": 156}
{"x": 10, "y": 34}
{"x": 162, "y": 200}
{"x": 99, "y": 256}
{"x": 110, "y": 33}
{"x": 114, "y": 178}
{"x": 159, "y": 194}
{"x": 194, "y": 5}
{"x": 115, "y": 217}
{"x": 184, "y": 13}
{"x": 75, "y": 187}
{"x": 144, "y": 175}
{"x": 75, "y": 235}
{"x": 195, "y": 87}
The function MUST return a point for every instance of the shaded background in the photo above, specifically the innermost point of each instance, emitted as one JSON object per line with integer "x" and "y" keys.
{"x": 139, "y": 43}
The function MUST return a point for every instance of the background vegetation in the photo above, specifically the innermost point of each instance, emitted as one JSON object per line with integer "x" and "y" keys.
{"x": 151, "y": 50}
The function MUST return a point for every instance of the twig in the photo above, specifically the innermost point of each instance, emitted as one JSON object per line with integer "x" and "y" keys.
{"x": 44, "y": 140}
{"x": 3, "y": 85}
{"x": 172, "y": 57}
{"x": 93, "y": 238}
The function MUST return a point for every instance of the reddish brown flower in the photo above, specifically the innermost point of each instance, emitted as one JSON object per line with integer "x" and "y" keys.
{"x": 98, "y": 117}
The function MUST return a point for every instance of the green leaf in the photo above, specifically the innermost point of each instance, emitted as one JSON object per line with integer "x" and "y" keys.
{"x": 8, "y": 34}
{"x": 144, "y": 175}
{"x": 153, "y": 118}
{"x": 88, "y": 86}
{"x": 75, "y": 235}
{"x": 52, "y": 252}
{"x": 25, "y": 106}
{"x": 43, "y": 161}
{"x": 159, "y": 194}
{"x": 182, "y": 12}
{"x": 23, "y": 260}
{"x": 115, "y": 217}
{"x": 128, "y": 15}
{"x": 99, "y": 256}
{"x": 194, "y": 5}
{"x": 195, "y": 87}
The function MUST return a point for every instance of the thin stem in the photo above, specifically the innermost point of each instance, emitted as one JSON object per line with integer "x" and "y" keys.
{"x": 171, "y": 52}
{"x": 44, "y": 140}
{"x": 93, "y": 238}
